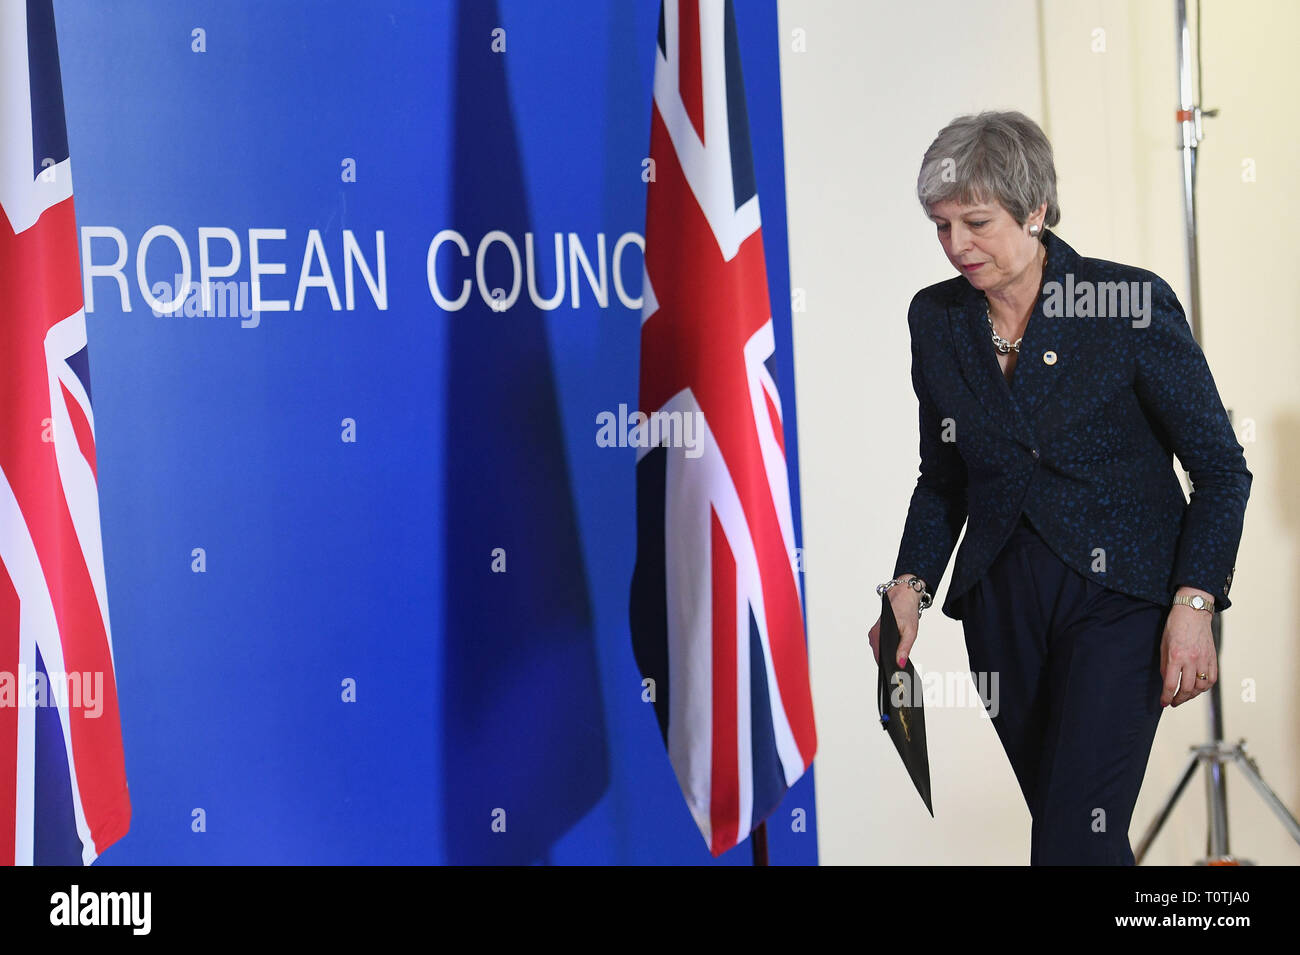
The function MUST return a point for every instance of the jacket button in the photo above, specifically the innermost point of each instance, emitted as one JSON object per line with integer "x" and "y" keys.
{"x": 1049, "y": 358}
{"x": 1034, "y": 452}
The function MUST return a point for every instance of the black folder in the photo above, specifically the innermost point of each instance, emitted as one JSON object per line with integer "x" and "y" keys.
{"x": 902, "y": 713}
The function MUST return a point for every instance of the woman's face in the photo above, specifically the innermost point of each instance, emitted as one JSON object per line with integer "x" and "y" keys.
{"x": 984, "y": 243}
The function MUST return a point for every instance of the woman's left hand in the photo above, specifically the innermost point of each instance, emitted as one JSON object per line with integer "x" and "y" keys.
{"x": 1186, "y": 651}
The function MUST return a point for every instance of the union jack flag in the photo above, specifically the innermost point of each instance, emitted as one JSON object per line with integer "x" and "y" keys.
{"x": 716, "y": 610}
{"x": 63, "y": 793}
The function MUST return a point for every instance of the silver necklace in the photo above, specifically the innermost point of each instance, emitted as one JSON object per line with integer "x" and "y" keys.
{"x": 1001, "y": 344}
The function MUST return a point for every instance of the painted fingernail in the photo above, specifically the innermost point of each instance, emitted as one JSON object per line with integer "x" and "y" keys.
{"x": 902, "y": 661}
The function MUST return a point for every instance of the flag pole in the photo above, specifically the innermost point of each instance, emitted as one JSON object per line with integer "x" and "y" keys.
{"x": 758, "y": 842}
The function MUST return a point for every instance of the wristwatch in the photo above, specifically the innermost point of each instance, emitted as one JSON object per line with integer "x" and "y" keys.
{"x": 1196, "y": 602}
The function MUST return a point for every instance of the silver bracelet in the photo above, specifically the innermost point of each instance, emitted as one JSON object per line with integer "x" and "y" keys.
{"x": 915, "y": 583}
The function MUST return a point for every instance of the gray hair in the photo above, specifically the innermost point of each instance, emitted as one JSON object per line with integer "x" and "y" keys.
{"x": 991, "y": 156}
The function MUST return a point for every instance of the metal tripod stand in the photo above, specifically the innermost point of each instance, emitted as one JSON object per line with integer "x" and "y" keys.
{"x": 1216, "y": 754}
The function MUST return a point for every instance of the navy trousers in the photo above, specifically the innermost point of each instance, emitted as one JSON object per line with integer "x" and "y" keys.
{"x": 1078, "y": 695}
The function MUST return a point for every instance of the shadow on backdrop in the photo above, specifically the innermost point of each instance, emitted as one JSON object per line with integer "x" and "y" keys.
{"x": 523, "y": 717}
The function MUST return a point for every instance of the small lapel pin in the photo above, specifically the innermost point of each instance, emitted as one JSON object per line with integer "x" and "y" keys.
{"x": 1049, "y": 358}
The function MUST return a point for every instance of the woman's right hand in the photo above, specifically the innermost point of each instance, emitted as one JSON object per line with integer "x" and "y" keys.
{"x": 906, "y": 604}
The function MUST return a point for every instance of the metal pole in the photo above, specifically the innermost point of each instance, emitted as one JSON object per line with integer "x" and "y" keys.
{"x": 1190, "y": 135}
{"x": 758, "y": 842}
{"x": 1189, "y": 128}
{"x": 1214, "y": 754}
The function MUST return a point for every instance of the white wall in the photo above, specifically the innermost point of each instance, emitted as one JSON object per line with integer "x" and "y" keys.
{"x": 866, "y": 86}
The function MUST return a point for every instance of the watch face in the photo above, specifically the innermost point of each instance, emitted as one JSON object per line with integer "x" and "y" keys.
{"x": 1198, "y": 602}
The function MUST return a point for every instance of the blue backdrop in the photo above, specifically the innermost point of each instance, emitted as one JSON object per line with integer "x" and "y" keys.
{"x": 312, "y": 499}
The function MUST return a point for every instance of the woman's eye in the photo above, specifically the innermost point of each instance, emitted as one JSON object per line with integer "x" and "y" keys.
{"x": 943, "y": 228}
{"x": 980, "y": 224}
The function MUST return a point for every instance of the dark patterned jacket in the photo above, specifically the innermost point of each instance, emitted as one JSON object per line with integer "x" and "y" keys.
{"x": 1080, "y": 441}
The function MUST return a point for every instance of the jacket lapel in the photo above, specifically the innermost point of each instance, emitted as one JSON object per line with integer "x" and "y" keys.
{"x": 1014, "y": 405}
